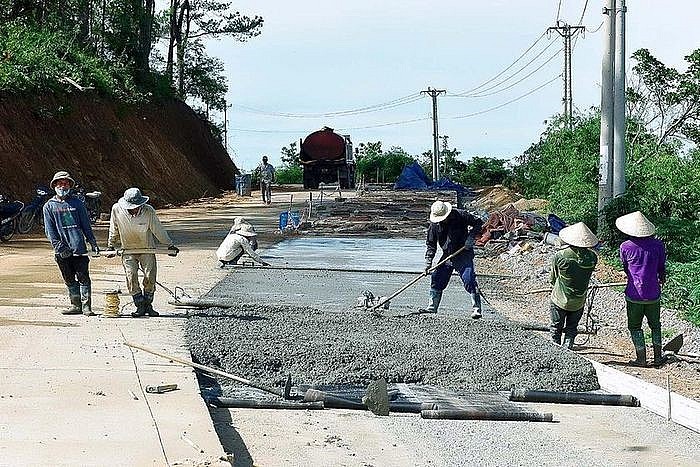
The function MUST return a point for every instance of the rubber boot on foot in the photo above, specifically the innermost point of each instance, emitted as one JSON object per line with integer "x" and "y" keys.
{"x": 86, "y": 300}
{"x": 434, "y": 303}
{"x": 76, "y": 306}
{"x": 641, "y": 359}
{"x": 659, "y": 357}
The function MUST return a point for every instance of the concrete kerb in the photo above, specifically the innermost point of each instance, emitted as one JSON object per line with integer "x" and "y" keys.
{"x": 663, "y": 402}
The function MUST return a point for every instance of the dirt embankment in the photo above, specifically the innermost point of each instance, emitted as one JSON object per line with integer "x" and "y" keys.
{"x": 164, "y": 148}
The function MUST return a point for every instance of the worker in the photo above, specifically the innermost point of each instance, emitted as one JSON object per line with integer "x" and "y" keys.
{"x": 570, "y": 274}
{"x": 67, "y": 226}
{"x": 135, "y": 225}
{"x": 452, "y": 229}
{"x": 241, "y": 239}
{"x": 267, "y": 176}
{"x": 644, "y": 260}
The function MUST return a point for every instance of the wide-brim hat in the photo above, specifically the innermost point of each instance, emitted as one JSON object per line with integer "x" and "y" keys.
{"x": 132, "y": 199}
{"x": 247, "y": 230}
{"x": 578, "y": 235}
{"x": 439, "y": 211}
{"x": 61, "y": 175}
{"x": 635, "y": 224}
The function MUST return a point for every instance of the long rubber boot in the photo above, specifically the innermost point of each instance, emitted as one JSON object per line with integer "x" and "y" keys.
{"x": 148, "y": 300}
{"x": 76, "y": 306}
{"x": 86, "y": 300}
{"x": 569, "y": 342}
{"x": 641, "y": 359}
{"x": 659, "y": 358}
{"x": 434, "y": 302}
{"x": 140, "y": 303}
{"x": 476, "y": 304}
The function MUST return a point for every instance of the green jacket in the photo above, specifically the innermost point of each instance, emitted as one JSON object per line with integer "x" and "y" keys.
{"x": 570, "y": 274}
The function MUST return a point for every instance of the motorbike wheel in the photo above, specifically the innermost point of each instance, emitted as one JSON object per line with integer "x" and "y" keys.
{"x": 27, "y": 221}
{"x": 8, "y": 232}
{"x": 95, "y": 212}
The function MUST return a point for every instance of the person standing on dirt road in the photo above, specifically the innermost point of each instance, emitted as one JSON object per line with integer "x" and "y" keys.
{"x": 570, "y": 274}
{"x": 241, "y": 239}
{"x": 644, "y": 260}
{"x": 452, "y": 229}
{"x": 67, "y": 226}
{"x": 267, "y": 176}
{"x": 136, "y": 226}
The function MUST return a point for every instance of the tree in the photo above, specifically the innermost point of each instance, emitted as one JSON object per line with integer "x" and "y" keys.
{"x": 290, "y": 155}
{"x": 665, "y": 101}
{"x": 380, "y": 167}
{"x": 198, "y": 19}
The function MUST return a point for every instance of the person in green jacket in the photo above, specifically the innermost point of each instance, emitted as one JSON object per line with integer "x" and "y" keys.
{"x": 570, "y": 274}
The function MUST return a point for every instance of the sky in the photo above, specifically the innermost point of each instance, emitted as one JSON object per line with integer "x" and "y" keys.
{"x": 326, "y": 57}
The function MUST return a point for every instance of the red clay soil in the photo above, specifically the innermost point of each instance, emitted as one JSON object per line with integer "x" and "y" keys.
{"x": 164, "y": 148}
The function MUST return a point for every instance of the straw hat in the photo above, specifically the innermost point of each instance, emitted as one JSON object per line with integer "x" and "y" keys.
{"x": 635, "y": 224}
{"x": 439, "y": 211}
{"x": 578, "y": 235}
{"x": 247, "y": 230}
{"x": 132, "y": 199}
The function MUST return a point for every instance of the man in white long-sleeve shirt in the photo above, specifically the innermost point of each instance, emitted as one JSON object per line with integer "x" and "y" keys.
{"x": 238, "y": 241}
{"x": 135, "y": 225}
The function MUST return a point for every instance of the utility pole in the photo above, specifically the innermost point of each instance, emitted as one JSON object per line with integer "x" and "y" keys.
{"x": 620, "y": 124}
{"x": 606, "y": 110}
{"x": 434, "y": 93}
{"x": 567, "y": 32}
{"x": 225, "y": 127}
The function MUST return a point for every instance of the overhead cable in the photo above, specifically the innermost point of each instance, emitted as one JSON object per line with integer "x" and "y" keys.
{"x": 522, "y": 96}
{"x": 506, "y": 68}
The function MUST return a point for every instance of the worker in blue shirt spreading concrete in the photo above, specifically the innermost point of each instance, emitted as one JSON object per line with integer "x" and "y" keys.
{"x": 67, "y": 226}
{"x": 452, "y": 229}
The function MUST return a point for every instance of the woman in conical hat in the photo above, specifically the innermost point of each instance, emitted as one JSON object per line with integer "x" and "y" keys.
{"x": 644, "y": 260}
{"x": 570, "y": 274}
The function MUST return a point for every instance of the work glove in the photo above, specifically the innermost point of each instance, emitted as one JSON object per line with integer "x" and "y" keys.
{"x": 426, "y": 271}
{"x": 95, "y": 250}
{"x": 173, "y": 250}
{"x": 65, "y": 253}
{"x": 470, "y": 242}
{"x": 110, "y": 252}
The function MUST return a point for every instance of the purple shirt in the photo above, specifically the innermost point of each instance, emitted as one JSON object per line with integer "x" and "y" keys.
{"x": 644, "y": 260}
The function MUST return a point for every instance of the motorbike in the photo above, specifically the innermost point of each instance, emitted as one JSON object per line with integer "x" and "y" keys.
{"x": 9, "y": 217}
{"x": 32, "y": 214}
{"x": 91, "y": 199}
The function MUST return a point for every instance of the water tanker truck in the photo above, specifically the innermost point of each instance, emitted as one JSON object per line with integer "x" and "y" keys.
{"x": 327, "y": 157}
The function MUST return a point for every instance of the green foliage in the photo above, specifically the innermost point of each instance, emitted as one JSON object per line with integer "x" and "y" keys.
{"x": 377, "y": 166}
{"x": 289, "y": 174}
{"x": 290, "y": 155}
{"x": 682, "y": 289}
{"x": 479, "y": 171}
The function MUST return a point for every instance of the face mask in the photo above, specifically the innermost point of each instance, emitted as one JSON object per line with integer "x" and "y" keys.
{"x": 62, "y": 192}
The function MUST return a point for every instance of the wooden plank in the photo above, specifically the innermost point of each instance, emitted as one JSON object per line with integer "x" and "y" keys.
{"x": 684, "y": 411}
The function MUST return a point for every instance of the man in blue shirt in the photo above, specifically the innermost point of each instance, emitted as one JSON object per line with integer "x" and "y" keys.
{"x": 67, "y": 226}
{"x": 452, "y": 229}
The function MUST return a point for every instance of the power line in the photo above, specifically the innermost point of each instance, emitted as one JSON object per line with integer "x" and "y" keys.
{"x": 517, "y": 82}
{"x": 506, "y": 68}
{"x": 367, "y": 109}
{"x": 522, "y": 96}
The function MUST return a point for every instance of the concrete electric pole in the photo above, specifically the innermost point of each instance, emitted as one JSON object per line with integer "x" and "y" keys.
{"x": 567, "y": 32}
{"x": 606, "y": 110}
{"x": 620, "y": 124}
{"x": 434, "y": 93}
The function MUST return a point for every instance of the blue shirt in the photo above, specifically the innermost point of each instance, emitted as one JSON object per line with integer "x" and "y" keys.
{"x": 67, "y": 225}
{"x": 451, "y": 234}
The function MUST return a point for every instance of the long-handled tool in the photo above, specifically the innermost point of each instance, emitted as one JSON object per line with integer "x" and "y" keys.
{"x": 286, "y": 393}
{"x": 422, "y": 275}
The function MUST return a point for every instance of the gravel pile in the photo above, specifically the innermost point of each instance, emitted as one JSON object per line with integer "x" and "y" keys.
{"x": 264, "y": 343}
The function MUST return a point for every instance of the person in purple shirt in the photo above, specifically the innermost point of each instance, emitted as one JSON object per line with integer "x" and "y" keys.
{"x": 644, "y": 260}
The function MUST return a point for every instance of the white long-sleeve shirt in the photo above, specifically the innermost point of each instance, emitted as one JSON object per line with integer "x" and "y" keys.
{"x": 233, "y": 245}
{"x": 137, "y": 232}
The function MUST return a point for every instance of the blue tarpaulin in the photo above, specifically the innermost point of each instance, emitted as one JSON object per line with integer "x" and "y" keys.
{"x": 413, "y": 177}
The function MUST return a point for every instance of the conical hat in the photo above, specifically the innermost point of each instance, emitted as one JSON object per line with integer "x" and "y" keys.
{"x": 635, "y": 224}
{"x": 578, "y": 235}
